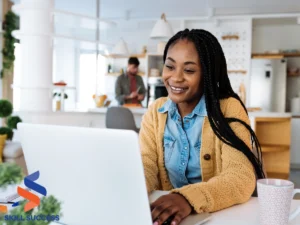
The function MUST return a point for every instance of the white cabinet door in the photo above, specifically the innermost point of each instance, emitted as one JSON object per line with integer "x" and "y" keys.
{"x": 295, "y": 142}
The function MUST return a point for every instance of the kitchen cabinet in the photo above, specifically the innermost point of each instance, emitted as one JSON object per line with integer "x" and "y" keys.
{"x": 274, "y": 135}
{"x": 295, "y": 143}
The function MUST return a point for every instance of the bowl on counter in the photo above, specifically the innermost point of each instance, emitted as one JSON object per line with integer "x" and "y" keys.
{"x": 101, "y": 101}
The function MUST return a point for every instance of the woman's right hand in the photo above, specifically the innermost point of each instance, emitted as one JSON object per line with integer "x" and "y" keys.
{"x": 170, "y": 205}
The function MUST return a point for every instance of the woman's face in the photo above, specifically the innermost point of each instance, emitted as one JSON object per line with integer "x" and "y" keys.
{"x": 182, "y": 72}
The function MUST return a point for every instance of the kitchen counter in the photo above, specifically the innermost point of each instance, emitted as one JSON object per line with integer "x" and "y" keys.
{"x": 296, "y": 115}
{"x": 95, "y": 117}
{"x": 270, "y": 114}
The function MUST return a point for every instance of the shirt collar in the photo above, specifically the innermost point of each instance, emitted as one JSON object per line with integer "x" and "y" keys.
{"x": 171, "y": 107}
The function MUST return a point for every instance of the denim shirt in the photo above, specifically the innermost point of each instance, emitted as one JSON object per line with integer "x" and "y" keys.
{"x": 182, "y": 142}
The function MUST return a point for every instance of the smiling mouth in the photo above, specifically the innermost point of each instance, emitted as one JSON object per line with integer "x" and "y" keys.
{"x": 177, "y": 90}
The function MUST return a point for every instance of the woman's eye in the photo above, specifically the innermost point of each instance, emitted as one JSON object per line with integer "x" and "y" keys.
{"x": 169, "y": 67}
{"x": 189, "y": 71}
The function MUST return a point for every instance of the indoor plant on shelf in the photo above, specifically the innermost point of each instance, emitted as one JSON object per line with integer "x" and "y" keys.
{"x": 59, "y": 106}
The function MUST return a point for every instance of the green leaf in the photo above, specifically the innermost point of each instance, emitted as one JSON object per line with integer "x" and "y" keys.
{"x": 8, "y": 131}
{"x": 11, "y": 23}
{"x": 12, "y": 122}
{"x": 10, "y": 173}
{"x": 6, "y": 108}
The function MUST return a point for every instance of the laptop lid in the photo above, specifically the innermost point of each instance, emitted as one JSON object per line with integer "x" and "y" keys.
{"x": 97, "y": 174}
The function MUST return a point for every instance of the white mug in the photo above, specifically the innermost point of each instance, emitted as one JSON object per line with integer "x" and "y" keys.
{"x": 275, "y": 198}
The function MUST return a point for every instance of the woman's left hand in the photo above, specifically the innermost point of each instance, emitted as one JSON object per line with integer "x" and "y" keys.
{"x": 170, "y": 205}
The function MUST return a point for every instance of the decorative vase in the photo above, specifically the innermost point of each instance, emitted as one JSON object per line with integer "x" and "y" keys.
{"x": 58, "y": 105}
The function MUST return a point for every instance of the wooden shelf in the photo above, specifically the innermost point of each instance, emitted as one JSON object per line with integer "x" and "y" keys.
{"x": 63, "y": 87}
{"x": 274, "y": 56}
{"x": 121, "y": 56}
{"x": 272, "y": 119}
{"x": 230, "y": 37}
{"x": 237, "y": 71}
{"x": 274, "y": 148}
{"x": 296, "y": 74}
{"x": 277, "y": 175}
{"x": 254, "y": 109}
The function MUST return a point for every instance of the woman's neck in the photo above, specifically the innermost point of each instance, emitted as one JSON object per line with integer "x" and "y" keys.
{"x": 186, "y": 108}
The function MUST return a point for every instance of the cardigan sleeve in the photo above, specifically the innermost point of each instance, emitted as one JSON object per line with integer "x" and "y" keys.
{"x": 236, "y": 182}
{"x": 149, "y": 150}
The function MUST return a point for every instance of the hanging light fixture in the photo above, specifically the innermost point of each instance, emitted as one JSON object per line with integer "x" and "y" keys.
{"x": 120, "y": 49}
{"x": 162, "y": 29}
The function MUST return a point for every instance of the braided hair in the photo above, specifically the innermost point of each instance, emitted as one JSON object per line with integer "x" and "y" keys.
{"x": 216, "y": 87}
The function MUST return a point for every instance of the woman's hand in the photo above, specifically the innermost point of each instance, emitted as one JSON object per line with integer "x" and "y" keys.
{"x": 170, "y": 205}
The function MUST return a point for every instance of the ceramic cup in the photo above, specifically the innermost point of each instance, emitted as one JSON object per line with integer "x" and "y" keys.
{"x": 275, "y": 198}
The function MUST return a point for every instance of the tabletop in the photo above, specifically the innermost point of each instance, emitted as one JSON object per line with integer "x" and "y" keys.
{"x": 245, "y": 214}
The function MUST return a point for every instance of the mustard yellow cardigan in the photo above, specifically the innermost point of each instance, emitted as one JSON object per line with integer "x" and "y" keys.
{"x": 228, "y": 177}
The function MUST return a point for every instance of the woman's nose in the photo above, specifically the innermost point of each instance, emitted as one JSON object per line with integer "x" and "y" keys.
{"x": 177, "y": 76}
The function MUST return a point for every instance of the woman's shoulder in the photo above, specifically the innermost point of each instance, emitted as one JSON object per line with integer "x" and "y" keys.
{"x": 158, "y": 103}
{"x": 152, "y": 115}
{"x": 231, "y": 107}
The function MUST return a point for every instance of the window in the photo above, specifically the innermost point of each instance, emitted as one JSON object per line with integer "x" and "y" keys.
{"x": 88, "y": 82}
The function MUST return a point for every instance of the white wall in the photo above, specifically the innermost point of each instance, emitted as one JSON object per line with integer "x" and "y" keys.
{"x": 237, "y": 52}
{"x": 268, "y": 37}
{"x": 136, "y": 34}
{"x": 273, "y": 36}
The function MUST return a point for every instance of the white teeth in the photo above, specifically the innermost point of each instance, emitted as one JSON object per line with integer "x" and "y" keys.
{"x": 176, "y": 89}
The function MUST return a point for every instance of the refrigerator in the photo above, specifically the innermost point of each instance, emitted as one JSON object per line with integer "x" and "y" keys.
{"x": 268, "y": 84}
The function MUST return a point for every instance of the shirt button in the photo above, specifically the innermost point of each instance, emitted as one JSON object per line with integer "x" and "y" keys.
{"x": 183, "y": 163}
{"x": 207, "y": 157}
{"x": 185, "y": 148}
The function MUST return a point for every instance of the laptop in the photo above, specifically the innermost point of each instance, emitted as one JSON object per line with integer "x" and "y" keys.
{"x": 97, "y": 174}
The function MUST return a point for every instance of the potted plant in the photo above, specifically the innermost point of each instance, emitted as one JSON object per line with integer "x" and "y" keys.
{"x": 57, "y": 96}
{"x": 6, "y": 110}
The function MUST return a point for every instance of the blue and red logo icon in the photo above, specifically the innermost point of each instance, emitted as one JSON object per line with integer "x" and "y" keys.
{"x": 33, "y": 199}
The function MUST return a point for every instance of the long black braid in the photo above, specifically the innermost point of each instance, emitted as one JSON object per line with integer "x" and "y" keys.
{"x": 216, "y": 87}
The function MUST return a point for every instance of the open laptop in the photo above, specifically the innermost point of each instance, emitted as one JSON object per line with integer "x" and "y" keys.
{"x": 97, "y": 174}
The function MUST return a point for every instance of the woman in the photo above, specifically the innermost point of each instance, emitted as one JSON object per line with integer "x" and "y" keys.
{"x": 197, "y": 143}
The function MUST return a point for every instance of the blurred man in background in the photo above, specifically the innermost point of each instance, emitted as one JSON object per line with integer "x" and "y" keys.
{"x": 130, "y": 88}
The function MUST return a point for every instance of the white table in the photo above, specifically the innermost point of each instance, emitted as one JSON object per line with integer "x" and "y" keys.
{"x": 244, "y": 214}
